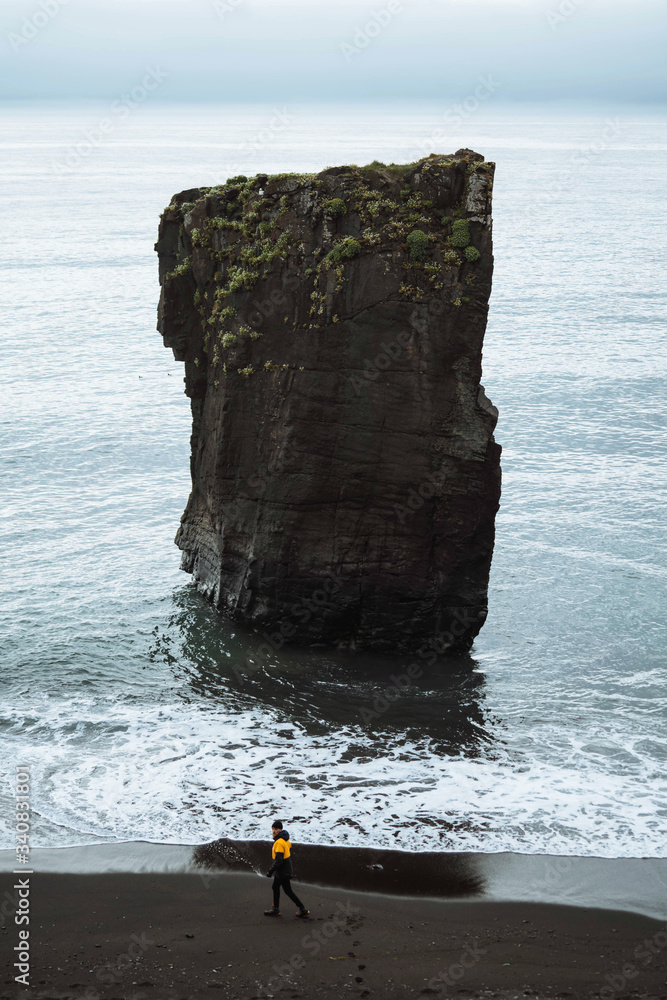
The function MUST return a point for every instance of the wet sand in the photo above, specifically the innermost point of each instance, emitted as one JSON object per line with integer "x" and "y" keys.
{"x": 635, "y": 884}
{"x": 176, "y": 936}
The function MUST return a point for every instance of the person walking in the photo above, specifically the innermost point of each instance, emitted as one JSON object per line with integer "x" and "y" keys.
{"x": 281, "y": 869}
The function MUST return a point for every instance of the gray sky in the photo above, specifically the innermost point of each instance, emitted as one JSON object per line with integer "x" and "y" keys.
{"x": 267, "y": 50}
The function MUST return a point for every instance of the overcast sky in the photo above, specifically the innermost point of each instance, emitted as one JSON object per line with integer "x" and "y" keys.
{"x": 267, "y": 50}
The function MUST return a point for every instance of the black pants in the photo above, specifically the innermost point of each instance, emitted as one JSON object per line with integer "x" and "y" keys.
{"x": 283, "y": 881}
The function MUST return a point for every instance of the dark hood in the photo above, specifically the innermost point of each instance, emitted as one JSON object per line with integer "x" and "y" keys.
{"x": 283, "y": 835}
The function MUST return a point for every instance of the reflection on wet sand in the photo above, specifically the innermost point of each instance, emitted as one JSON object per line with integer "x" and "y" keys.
{"x": 363, "y": 869}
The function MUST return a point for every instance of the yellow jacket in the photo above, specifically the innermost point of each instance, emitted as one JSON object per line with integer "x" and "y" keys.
{"x": 281, "y": 854}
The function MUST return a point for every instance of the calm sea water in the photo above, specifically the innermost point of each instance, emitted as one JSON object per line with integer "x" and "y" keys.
{"x": 118, "y": 681}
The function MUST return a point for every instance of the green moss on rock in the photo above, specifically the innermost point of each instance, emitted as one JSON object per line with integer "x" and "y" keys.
{"x": 460, "y": 233}
{"x": 335, "y": 207}
{"x": 418, "y": 244}
{"x": 181, "y": 269}
{"x": 345, "y": 250}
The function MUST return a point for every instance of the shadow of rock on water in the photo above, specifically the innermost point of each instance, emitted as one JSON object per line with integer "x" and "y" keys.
{"x": 438, "y": 699}
{"x": 355, "y": 868}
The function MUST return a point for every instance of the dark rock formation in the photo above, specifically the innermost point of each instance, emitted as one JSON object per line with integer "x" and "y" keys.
{"x": 345, "y": 476}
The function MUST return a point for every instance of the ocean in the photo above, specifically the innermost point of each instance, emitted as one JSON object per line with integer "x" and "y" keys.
{"x": 118, "y": 682}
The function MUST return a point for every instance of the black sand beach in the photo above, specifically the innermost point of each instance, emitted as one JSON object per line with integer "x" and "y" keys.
{"x": 169, "y": 936}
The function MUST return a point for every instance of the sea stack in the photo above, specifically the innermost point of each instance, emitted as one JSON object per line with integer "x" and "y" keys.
{"x": 345, "y": 478}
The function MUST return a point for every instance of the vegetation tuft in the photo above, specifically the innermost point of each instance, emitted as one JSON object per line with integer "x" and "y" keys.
{"x": 418, "y": 244}
{"x": 335, "y": 207}
{"x": 460, "y": 233}
{"x": 345, "y": 250}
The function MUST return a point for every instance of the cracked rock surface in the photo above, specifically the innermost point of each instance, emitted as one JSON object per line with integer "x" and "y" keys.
{"x": 345, "y": 478}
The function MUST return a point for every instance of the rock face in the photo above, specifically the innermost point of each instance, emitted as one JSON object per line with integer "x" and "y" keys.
{"x": 345, "y": 478}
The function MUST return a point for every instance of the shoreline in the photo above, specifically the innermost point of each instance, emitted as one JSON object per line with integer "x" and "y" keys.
{"x": 632, "y": 885}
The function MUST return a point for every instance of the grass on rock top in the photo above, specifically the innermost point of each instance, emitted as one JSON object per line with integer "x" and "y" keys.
{"x": 237, "y": 225}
